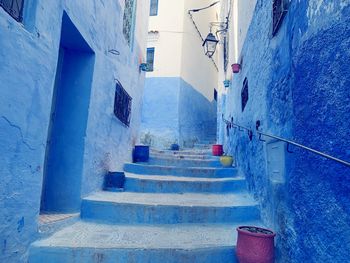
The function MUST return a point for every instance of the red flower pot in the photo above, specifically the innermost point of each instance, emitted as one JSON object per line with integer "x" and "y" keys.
{"x": 236, "y": 68}
{"x": 217, "y": 150}
{"x": 255, "y": 245}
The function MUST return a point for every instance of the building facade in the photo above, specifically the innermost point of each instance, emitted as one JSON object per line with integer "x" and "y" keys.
{"x": 70, "y": 109}
{"x": 293, "y": 83}
{"x": 179, "y": 105}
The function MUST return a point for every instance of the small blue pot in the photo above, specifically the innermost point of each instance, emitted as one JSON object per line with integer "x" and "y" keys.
{"x": 174, "y": 147}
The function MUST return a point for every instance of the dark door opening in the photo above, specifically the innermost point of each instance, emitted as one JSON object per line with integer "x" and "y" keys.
{"x": 61, "y": 191}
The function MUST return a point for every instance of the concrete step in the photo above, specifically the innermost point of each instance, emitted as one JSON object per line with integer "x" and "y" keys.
{"x": 185, "y": 162}
{"x": 206, "y": 172}
{"x": 202, "y": 146}
{"x": 88, "y": 242}
{"x": 177, "y": 184}
{"x": 195, "y": 152}
{"x": 161, "y": 208}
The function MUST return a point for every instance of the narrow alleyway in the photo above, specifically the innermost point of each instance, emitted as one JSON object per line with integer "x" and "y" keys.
{"x": 180, "y": 207}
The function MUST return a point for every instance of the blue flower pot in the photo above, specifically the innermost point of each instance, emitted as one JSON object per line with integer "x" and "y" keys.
{"x": 141, "y": 153}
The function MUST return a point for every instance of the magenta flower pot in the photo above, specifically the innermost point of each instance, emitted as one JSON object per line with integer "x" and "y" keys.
{"x": 217, "y": 150}
{"x": 255, "y": 245}
{"x": 236, "y": 68}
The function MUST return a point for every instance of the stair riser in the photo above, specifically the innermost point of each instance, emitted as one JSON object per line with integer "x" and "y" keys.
{"x": 158, "y": 214}
{"x": 185, "y": 156}
{"x": 184, "y": 162}
{"x": 180, "y": 171}
{"x": 154, "y": 186}
{"x": 93, "y": 255}
{"x": 201, "y": 152}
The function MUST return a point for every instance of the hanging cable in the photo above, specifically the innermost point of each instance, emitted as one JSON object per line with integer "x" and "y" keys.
{"x": 197, "y": 29}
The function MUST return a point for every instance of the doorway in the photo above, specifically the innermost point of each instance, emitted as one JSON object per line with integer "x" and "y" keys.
{"x": 61, "y": 192}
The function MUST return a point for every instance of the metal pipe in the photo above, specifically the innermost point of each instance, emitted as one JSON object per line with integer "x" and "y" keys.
{"x": 293, "y": 143}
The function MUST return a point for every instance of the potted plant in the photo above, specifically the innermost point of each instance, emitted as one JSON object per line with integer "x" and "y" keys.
{"x": 255, "y": 245}
{"x": 174, "y": 147}
{"x": 226, "y": 83}
{"x": 236, "y": 67}
{"x": 226, "y": 160}
{"x": 217, "y": 149}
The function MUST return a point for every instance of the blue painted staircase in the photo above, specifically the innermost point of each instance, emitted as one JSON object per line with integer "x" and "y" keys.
{"x": 180, "y": 207}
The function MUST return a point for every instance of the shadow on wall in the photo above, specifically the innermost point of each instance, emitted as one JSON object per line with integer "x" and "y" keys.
{"x": 69, "y": 114}
{"x": 174, "y": 112}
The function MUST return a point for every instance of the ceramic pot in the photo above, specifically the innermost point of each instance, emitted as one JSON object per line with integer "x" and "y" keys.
{"x": 217, "y": 150}
{"x": 174, "y": 147}
{"x": 226, "y": 161}
{"x": 141, "y": 153}
{"x": 236, "y": 68}
{"x": 255, "y": 245}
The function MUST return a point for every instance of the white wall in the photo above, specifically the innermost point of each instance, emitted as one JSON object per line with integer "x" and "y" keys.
{"x": 178, "y": 48}
{"x": 168, "y": 42}
{"x": 197, "y": 69}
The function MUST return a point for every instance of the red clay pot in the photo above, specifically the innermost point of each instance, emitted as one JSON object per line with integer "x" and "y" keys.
{"x": 217, "y": 150}
{"x": 255, "y": 245}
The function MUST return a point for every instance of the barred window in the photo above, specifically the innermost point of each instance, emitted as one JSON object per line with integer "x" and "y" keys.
{"x": 128, "y": 20}
{"x": 154, "y": 8}
{"x": 14, "y": 8}
{"x": 244, "y": 94}
{"x": 122, "y": 104}
{"x": 150, "y": 58}
{"x": 279, "y": 9}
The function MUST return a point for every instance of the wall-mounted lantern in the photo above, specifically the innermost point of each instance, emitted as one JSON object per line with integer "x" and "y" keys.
{"x": 209, "y": 45}
{"x": 236, "y": 67}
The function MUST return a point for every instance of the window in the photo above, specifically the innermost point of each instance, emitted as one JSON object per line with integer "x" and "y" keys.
{"x": 154, "y": 8}
{"x": 128, "y": 20}
{"x": 122, "y": 104}
{"x": 14, "y": 8}
{"x": 150, "y": 58}
{"x": 244, "y": 94}
{"x": 215, "y": 95}
{"x": 279, "y": 9}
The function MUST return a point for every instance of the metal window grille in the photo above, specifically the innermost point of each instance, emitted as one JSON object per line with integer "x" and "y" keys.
{"x": 226, "y": 53}
{"x": 154, "y": 8}
{"x": 14, "y": 8}
{"x": 279, "y": 9}
{"x": 122, "y": 104}
{"x": 150, "y": 58}
{"x": 244, "y": 94}
{"x": 128, "y": 20}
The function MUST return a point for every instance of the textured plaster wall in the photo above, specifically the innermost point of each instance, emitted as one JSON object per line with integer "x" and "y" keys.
{"x": 174, "y": 112}
{"x": 298, "y": 89}
{"x": 28, "y": 59}
{"x": 160, "y": 118}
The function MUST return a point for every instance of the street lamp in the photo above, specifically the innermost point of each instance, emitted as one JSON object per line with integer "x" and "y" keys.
{"x": 209, "y": 45}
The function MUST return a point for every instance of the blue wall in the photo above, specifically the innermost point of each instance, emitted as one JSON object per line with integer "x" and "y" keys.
{"x": 28, "y": 55}
{"x": 175, "y": 112}
{"x": 299, "y": 89}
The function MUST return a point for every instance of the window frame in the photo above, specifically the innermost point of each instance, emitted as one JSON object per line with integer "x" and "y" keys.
{"x": 150, "y": 65}
{"x": 122, "y": 104}
{"x": 129, "y": 32}
{"x": 154, "y": 11}
{"x": 8, "y": 10}
{"x": 245, "y": 94}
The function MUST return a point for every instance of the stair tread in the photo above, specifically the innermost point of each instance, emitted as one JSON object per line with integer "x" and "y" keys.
{"x": 181, "y": 236}
{"x": 175, "y": 199}
{"x": 182, "y": 178}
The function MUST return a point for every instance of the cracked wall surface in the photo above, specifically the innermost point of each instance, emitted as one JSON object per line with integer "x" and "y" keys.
{"x": 299, "y": 89}
{"x": 28, "y": 60}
